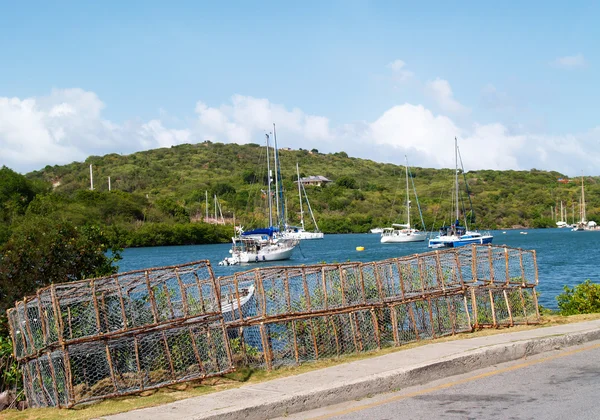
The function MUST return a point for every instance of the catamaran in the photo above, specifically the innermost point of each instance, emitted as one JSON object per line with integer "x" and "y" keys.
{"x": 399, "y": 233}
{"x": 456, "y": 235}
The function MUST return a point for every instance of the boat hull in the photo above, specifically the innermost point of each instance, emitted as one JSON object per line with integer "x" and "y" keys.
{"x": 402, "y": 237}
{"x": 453, "y": 243}
{"x": 304, "y": 235}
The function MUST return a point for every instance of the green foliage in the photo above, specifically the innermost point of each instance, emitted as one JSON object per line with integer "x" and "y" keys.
{"x": 44, "y": 250}
{"x": 10, "y": 376}
{"x": 347, "y": 182}
{"x": 581, "y": 299}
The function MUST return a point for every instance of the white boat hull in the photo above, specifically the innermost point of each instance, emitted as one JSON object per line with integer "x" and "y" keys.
{"x": 403, "y": 237}
{"x": 304, "y": 235}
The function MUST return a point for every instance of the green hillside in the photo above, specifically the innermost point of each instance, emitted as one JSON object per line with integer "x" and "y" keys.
{"x": 168, "y": 186}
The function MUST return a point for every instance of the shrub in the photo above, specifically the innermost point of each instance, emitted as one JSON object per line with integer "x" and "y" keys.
{"x": 581, "y": 299}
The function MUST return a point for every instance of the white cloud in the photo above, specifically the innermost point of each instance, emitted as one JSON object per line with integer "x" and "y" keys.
{"x": 399, "y": 71}
{"x": 441, "y": 92}
{"x": 570, "y": 61}
{"x": 68, "y": 125}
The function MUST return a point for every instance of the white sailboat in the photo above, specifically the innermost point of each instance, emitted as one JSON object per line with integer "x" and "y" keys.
{"x": 400, "y": 233}
{"x": 583, "y": 223}
{"x": 561, "y": 223}
{"x": 456, "y": 235}
{"x": 299, "y": 232}
{"x": 262, "y": 245}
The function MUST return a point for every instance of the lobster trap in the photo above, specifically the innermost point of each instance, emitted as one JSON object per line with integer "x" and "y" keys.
{"x": 117, "y": 335}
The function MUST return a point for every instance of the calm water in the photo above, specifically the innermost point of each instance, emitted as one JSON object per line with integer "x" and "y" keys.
{"x": 564, "y": 257}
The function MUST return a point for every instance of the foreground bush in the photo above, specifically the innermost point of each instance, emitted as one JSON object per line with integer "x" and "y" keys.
{"x": 581, "y": 299}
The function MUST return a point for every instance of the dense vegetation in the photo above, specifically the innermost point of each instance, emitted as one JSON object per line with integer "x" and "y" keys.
{"x": 581, "y": 299}
{"x": 168, "y": 186}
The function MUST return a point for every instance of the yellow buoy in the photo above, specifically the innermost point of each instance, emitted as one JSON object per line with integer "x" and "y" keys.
{"x": 360, "y": 248}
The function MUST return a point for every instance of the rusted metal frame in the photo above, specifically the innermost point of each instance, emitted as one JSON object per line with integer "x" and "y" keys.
{"x": 168, "y": 297}
{"x": 42, "y": 319}
{"x": 535, "y": 301}
{"x": 394, "y": 320}
{"x": 183, "y": 290}
{"x": 451, "y": 313}
{"x": 491, "y": 262}
{"x": 296, "y": 355}
{"x": 359, "y": 339}
{"x": 12, "y": 333}
{"x": 111, "y": 367}
{"x": 306, "y": 292}
{"x": 335, "y": 334}
{"x": 493, "y": 306}
{"x": 440, "y": 272}
{"x": 377, "y": 281}
{"x": 376, "y": 328}
{"x": 61, "y": 342}
{"x": 474, "y": 267}
{"x": 508, "y": 307}
{"x": 428, "y": 301}
{"x": 459, "y": 276}
{"x": 136, "y": 348}
{"x": 151, "y": 297}
{"x": 421, "y": 274}
{"x": 239, "y": 301}
{"x": 96, "y": 308}
{"x": 105, "y": 312}
{"x": 53, "y": 376}
{"x": 201, "y": 294}
{"x": 474, "y": 306}
{"x": 400, "y": 280}
{"x": 265, "y": 346}
{"x": 362, "y": 285}
{"x": 323, "y": 280}
{"x": 168, "y": 354}
{"x": 523, "y": 304}
{"x": 466, "y": 304}
{"x": 286, "y": 283}
{"x": 28, "y": 328}
{"x": 259, "y": 285}
{"x": 69, "y": 321}
{"x": 314, "y": 337}
{"x": 353, "y": 332}
{"x": 122, "y": 303}
{"x": 225, "y": 340}
{"x": 342, "y": 286}
{"x": 213, "y": 280}
{"x": 212, "y": 353}
{"x": 41, "y": 382}
{"x": 196, "y": 351}
{"x": 523, "y": 281}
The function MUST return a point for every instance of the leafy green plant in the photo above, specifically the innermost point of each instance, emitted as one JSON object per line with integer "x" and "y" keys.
{"x": 581, "y": 299}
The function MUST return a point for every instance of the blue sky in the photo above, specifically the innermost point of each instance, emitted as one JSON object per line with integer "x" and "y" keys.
{"x": 400, "y": 77}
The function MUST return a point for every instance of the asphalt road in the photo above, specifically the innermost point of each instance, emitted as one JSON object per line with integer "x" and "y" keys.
{"x": 562, "y": 384}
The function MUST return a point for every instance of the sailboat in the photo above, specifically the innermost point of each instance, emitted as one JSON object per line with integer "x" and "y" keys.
{"x": 399, "y": 233}
{"x": 298, "y": 232}
{"x": 263, "y": 244}
{"x": 456, "y": 235}
{"x": 583, "y": 224}
{"x": 561, "y": 223}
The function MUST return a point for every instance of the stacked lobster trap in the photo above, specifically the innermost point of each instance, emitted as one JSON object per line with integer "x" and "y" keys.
{"x": 288, "y": 315}
{"x": 130, "y": 332}
{"x": 118, "y": 335}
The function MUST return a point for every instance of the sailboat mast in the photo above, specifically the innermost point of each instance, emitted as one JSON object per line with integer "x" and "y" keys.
{"x": 300, "y": 196}
{"x": 582, "y": 201}
{"x": 278, "y": 191}
{"x": 407, "y": 195}
{"x": 269, "y": 184}
{"x": 456, "y": 174}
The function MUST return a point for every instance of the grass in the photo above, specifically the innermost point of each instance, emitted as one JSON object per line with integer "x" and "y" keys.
{"x": 247, "y": 376}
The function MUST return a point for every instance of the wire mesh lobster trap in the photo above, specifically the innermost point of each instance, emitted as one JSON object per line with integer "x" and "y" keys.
{"x": 121, "y": 334}
{"x": 288, "y": 315}
{"x": 125, "y": 333}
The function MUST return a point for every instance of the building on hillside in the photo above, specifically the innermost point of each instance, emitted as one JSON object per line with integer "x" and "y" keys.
{"x": 316, "y": 180}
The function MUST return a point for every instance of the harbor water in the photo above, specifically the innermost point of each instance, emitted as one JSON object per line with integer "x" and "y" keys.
{"x": 564, "y": 257}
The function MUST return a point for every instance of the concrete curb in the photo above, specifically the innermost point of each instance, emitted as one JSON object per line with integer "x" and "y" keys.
{"x": 403, "y": 378}
{"x": 347, "y": 382}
